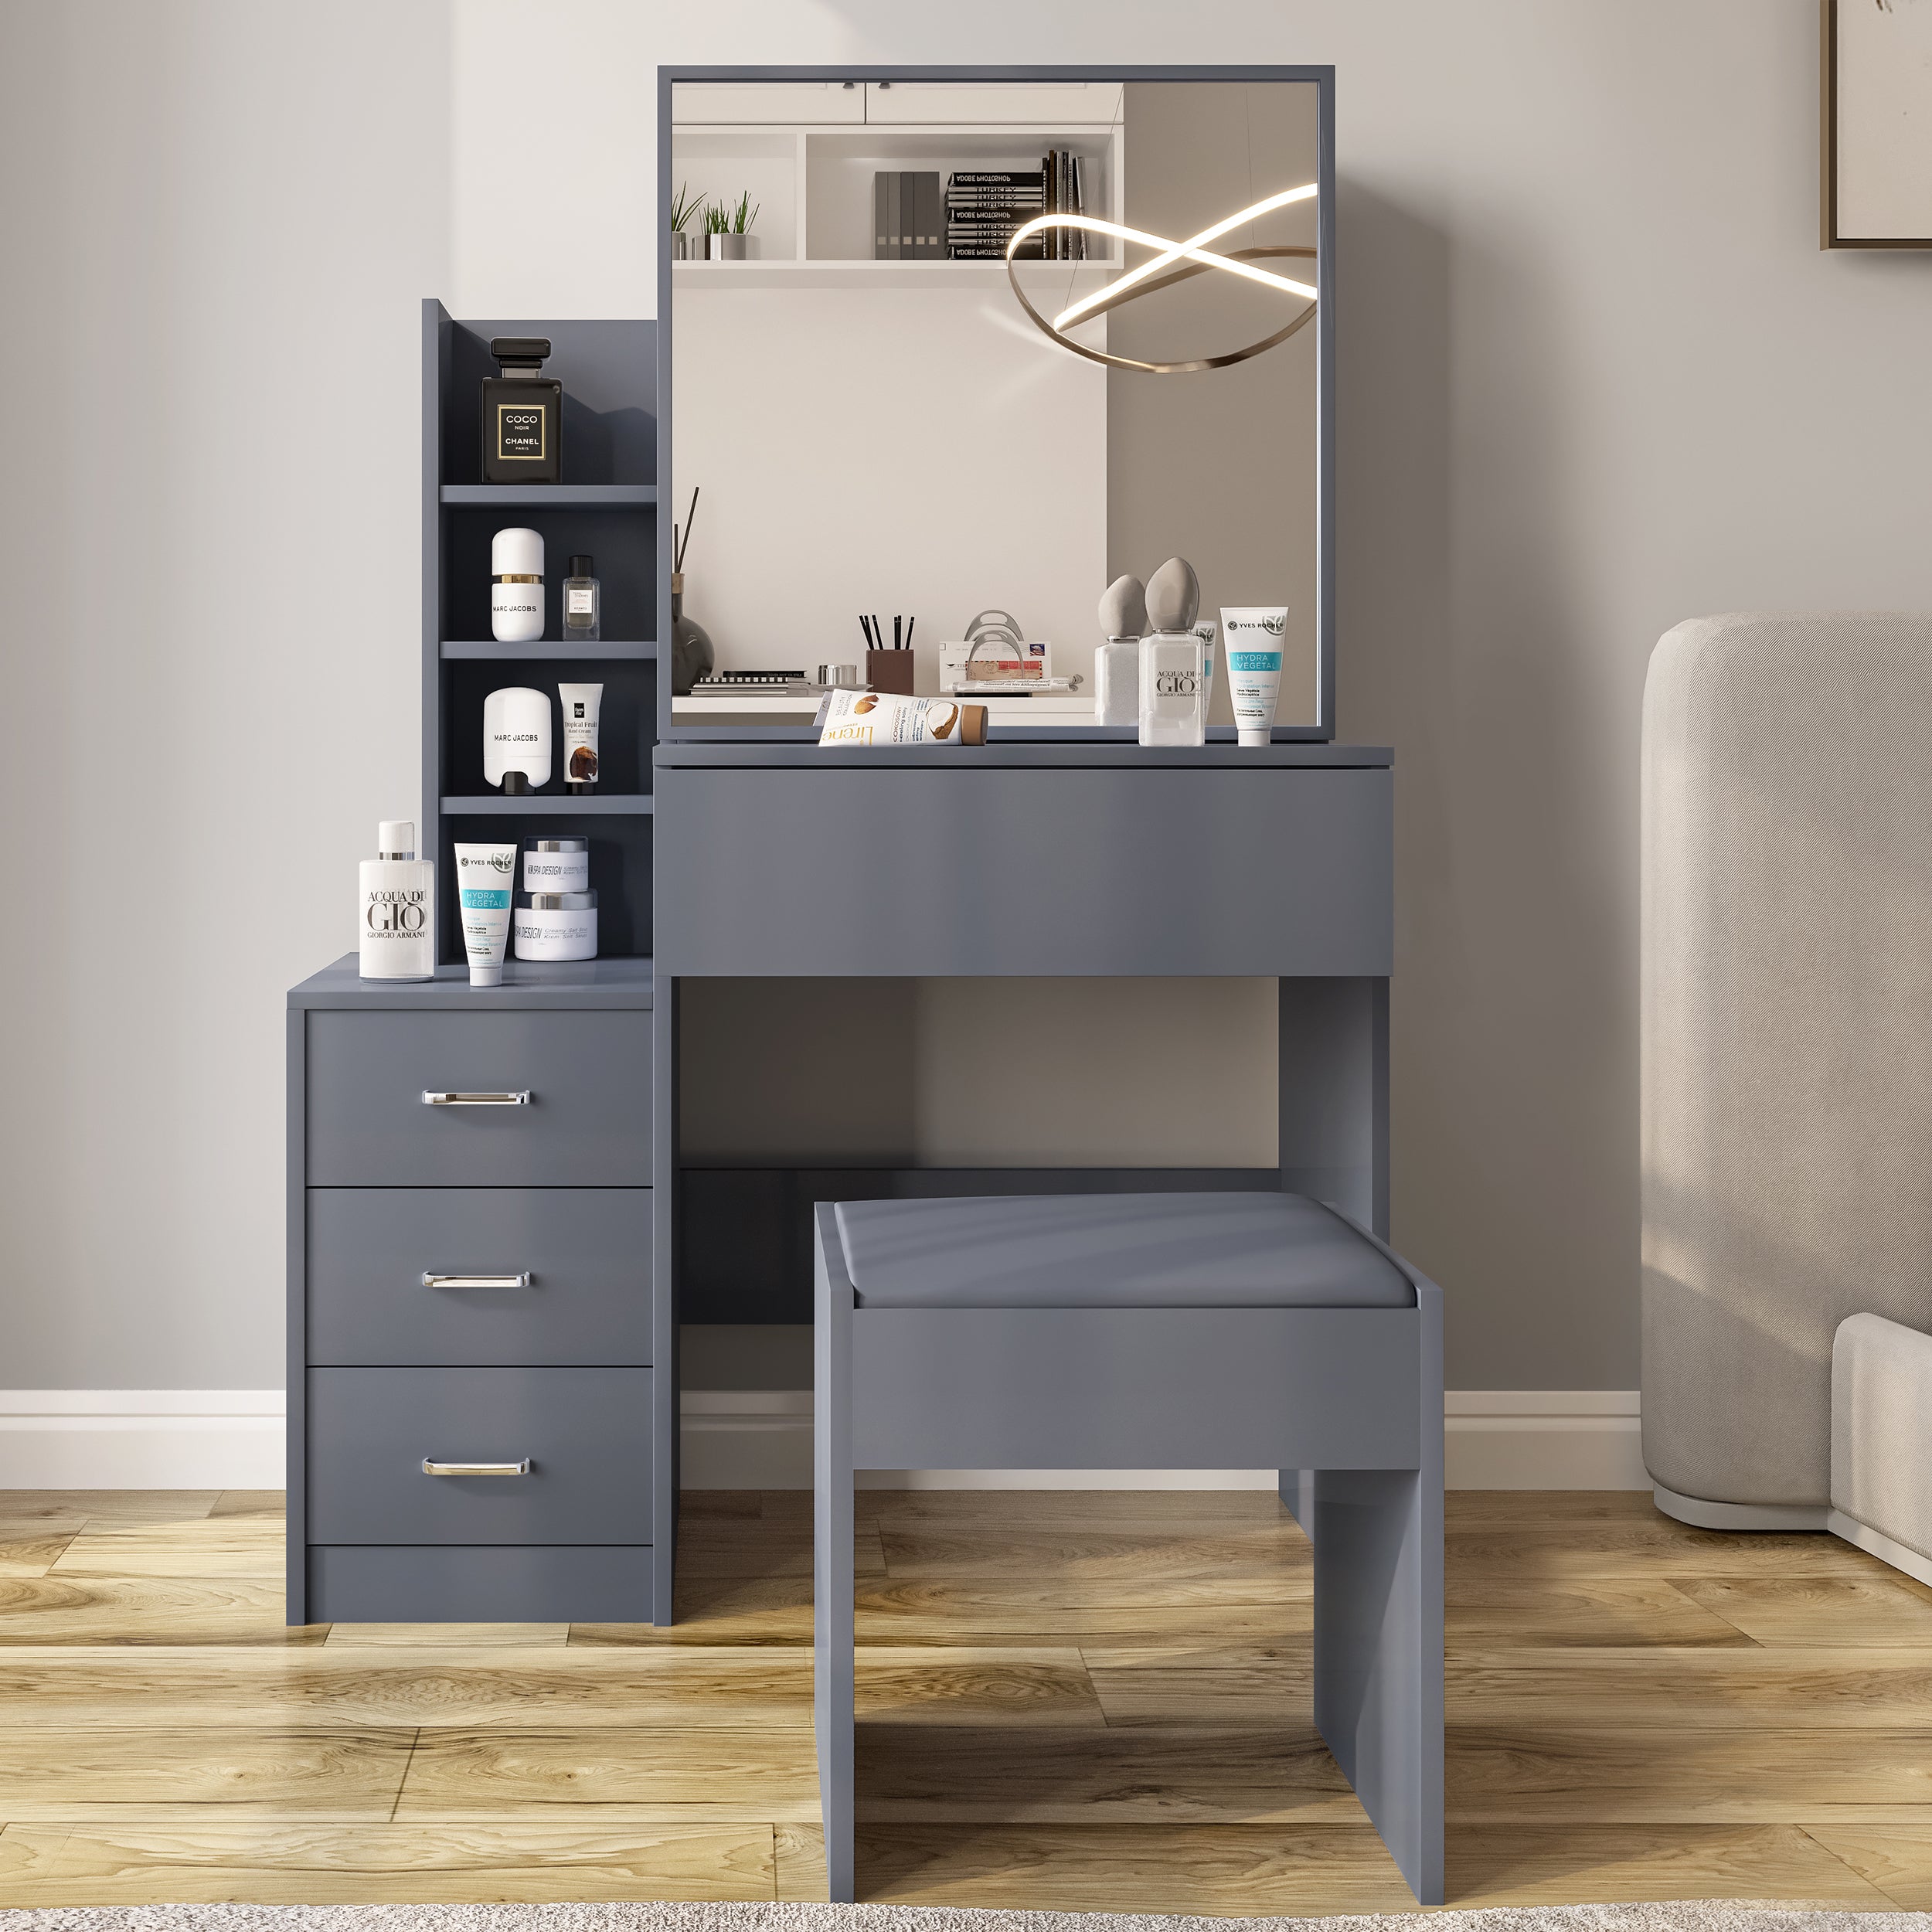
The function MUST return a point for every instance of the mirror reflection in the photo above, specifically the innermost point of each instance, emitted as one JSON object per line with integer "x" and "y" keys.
{"x": 950, "y": 358}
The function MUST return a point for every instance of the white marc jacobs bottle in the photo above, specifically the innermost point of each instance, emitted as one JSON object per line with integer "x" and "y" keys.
{"x": 516, "y": 586}
{"x": 397, "y": 909}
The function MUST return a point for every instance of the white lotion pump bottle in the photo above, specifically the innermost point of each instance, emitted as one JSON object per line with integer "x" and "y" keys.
{"x": 398, "y": 907}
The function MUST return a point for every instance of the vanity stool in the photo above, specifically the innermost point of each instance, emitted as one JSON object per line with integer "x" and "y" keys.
{"x": 1155, "y": 1332}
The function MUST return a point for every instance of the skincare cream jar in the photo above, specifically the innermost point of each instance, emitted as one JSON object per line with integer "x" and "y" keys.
{"x": 555, "y": 925}
{"x": 557, "y": 866}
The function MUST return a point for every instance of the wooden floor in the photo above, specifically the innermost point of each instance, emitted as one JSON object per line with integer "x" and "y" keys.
{"x": 1085, "y": 1701}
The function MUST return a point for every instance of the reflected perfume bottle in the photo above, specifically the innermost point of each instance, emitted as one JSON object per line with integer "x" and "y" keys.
{"x": 1117, "y": 663}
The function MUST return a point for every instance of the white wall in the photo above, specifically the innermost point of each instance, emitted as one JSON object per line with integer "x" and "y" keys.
{"x": 218, "y": 220}
{"x": 1594, "y": 378}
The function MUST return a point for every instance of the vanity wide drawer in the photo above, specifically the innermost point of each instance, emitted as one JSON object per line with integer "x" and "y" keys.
{"x": 582, "y": 1118}
{"x": 1266, "y": 870}
{"x": 585, "y": 1434}
{"x": 478, "y": 1276}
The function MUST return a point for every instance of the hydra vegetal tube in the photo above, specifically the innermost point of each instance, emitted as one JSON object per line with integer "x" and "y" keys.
{"x": 485, "y": 876}
{"x": 1251, "y": 644}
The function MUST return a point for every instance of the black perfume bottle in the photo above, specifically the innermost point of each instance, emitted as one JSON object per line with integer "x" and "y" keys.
{"x": 523, "y": 414}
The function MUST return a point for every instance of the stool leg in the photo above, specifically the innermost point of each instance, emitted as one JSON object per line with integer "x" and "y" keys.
{"x": 1377, "y": 1654}
{"x": 832, "y": 1599}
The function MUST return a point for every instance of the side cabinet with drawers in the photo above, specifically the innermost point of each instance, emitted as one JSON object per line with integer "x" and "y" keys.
{"x": 471, "y": 1324}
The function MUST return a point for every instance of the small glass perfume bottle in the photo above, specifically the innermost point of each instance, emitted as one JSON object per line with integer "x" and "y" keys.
{"x": 1173, "y": 689}
{"x": 523, "y": 414}
{"x": 582, "y": 603}
{"x": 1173, "y": 664}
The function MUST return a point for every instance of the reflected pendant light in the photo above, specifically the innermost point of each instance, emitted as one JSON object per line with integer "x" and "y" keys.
{"x": 1171, "y": 262}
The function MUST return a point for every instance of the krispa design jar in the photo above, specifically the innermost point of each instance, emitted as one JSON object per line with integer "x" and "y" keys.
{"x": 557, "y": 866}
{"x": 555, "y": 925}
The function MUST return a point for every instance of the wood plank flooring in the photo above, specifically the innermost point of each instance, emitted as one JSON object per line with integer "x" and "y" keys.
{"x": 1089, "y": 1701}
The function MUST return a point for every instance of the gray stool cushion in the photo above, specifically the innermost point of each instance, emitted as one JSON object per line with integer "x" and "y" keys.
{"x": 1113, "y": 1251}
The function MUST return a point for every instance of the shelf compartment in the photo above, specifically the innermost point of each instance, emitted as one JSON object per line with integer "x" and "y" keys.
{"x": 547, "y": 650}
{"x": 622, "y": 833}
{"x": 550, "y": 496}
{"x": 548, "y": 805}
{"x": 618, "y": 537}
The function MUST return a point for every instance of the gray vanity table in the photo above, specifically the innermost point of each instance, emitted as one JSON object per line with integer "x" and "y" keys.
{"x": 502, "y": 1284}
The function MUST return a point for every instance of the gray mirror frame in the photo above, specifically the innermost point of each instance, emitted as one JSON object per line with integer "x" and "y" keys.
{"x": 1321, "y": 77}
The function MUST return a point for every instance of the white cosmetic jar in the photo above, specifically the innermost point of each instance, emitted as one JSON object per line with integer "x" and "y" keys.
{"x": 516, "y": 586}
{"x": 555, "y": 925}
{"x": 557, "y": 866}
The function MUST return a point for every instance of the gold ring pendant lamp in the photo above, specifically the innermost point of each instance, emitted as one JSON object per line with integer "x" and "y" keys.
{"x": 1171, "y": 262}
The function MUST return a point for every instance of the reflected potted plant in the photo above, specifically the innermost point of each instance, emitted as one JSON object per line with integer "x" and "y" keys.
{"x": 684, "y": 206}
{"x": 728, "y": 235}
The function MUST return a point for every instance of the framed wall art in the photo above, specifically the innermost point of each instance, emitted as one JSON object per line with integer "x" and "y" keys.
{"x": 1876, "y": 122}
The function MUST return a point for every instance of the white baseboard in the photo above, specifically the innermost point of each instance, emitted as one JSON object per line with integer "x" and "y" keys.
{"x": 754, "y": 1439}
{"x": 232, "y": 1439}
{"x": 1507, "y": 1439}
{"x": 141, "y": 1438}
{"x": 1543, "y": 1439}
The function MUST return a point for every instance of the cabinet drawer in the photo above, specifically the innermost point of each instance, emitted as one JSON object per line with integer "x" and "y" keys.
{"x": 585, "y": 1432}
{"x": 586, "y": 1252}
{"x": 1157, "y": 870}
{"x": 586, "y": 1122}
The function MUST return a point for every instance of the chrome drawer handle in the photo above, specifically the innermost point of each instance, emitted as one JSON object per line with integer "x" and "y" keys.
{"x": 476, "y": 1468}
{"x": 477, "y": 1100}
{"x": 478, "y": 1280}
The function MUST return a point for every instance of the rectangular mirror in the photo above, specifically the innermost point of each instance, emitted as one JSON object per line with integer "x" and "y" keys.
{"x": 883, "y": 416}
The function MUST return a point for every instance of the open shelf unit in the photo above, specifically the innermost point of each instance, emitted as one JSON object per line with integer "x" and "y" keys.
{"x": 812, "y": 184}
{"x": 605, "y": 505}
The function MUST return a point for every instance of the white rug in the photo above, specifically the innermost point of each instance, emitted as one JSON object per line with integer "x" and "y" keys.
{"x": 1694, "y": 1915}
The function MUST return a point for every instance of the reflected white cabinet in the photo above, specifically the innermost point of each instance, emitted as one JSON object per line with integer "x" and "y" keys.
{"x": 1068, "y": 103}
{"x": 788, "y": 103}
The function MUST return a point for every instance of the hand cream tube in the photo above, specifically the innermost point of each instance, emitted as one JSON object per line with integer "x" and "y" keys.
{"x": 880, "y": 718}
{"x": 1251, "y": 639}
{"x": 581, "y": 703}
{"x": 484, "y": 877}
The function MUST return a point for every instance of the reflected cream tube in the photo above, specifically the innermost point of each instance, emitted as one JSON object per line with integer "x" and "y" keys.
{"x": 1251, "y": 639}
{"x": 485, "y": 876}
